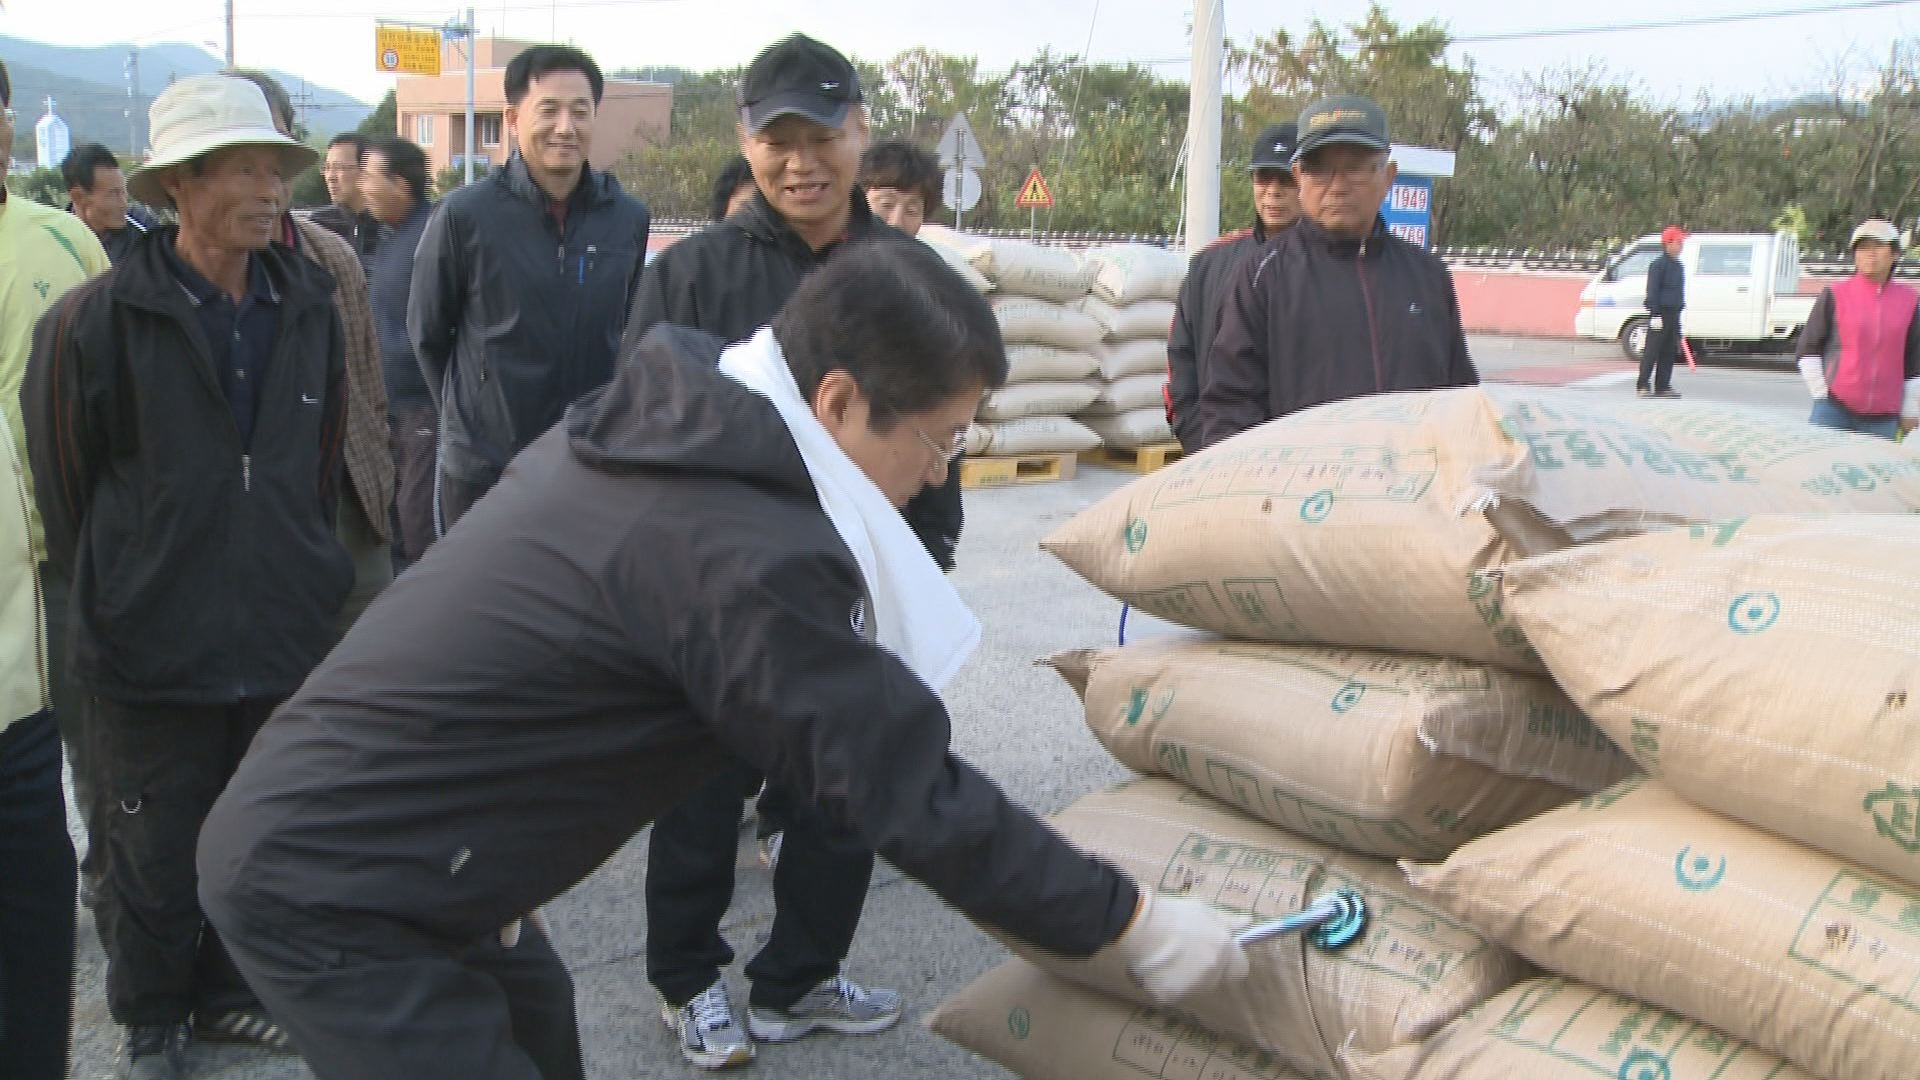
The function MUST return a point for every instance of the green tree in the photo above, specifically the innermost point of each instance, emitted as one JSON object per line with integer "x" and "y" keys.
{"x": 40, "y": 185}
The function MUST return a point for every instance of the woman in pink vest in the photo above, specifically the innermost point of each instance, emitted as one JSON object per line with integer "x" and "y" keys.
{"x": 1860, "y": 351}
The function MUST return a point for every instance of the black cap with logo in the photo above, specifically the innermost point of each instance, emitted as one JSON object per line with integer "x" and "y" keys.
{"x": 798, "y": 76}
{"x": 1346, "y": 118}
{"x": 1274, "y": 148}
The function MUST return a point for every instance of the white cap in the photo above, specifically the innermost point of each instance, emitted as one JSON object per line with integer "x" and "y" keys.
{"x": 1875, "y": 229}
{"x": 203, "y": 113}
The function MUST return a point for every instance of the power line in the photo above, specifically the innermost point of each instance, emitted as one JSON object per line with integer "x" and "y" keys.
{"x": 1682, "y": 22}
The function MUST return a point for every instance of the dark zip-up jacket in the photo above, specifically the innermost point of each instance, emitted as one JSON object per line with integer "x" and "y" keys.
{"x": 203, "y": 570}
{"x": 1316, "y": 319}
{"x": 1666, "y": 286}
{"x": 730, "y": 279}
{"x": 513, "y": 317}
{"x": 1196, "y": 317}
{"x": 390, "y": 281}
{"x": 360, "y": 230}
{"x": 524, "y": 699}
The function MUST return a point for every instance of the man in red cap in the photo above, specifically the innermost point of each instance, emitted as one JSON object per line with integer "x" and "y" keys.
{"x": 1666, "y": 296}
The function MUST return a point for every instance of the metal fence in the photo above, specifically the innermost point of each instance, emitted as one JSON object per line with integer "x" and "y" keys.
{"x": 1815, "y": 264}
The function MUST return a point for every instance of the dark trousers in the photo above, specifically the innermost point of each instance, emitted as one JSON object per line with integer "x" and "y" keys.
{"x": 68, "y": 714}
{"x": 36, "y": 904}
{"x": 1663, "y": 347}
{"x": 819, "y": 889}
{"x": 416, "y": 437}
{"x": 370, "y": 1000}
{"x": 157, "y": 770}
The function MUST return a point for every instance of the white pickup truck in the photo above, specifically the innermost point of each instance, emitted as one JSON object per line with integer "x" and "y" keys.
{"x": 1742, "y": 294}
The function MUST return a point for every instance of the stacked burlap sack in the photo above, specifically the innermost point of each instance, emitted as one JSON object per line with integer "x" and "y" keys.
{"x": 1134, "y": 289}
{"x": 1380, "y": 694}
{"x": 1036, "y": 295}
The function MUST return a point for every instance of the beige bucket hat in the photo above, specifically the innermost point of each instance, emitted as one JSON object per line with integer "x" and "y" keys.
{"x": 203, "y": 113}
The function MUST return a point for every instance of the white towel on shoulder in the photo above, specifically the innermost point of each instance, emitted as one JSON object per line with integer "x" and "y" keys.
{"x": 921, "y": 618}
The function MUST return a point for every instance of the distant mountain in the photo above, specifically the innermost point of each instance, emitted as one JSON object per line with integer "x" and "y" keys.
{"x": 89, "y": 89}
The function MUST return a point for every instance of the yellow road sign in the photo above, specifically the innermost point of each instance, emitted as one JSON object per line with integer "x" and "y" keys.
{"x": 1035, "y": 194}
{"x": 406, "y": 50}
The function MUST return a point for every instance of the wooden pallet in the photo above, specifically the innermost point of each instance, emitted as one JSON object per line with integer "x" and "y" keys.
{"x": 1144, "y": 459}
{"x": 979, "y": 472}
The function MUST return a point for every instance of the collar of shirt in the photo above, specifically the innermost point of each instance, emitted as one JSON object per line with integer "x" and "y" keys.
{"x": 259, "y": 285}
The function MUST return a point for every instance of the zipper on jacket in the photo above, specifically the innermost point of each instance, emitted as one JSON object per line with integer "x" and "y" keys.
{"x": 246, "y": 472}
{"x": 1373, "y": 335}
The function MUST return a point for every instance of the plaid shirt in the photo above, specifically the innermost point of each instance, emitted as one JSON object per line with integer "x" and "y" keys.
{"x": 368, "y": 454}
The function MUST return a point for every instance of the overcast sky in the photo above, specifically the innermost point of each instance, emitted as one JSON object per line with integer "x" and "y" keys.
{"x": 332, "y": 42}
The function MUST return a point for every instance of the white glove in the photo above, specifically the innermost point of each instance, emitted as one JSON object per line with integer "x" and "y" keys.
{"x": 510, "y": 933}
{"x": 1813, "y": 371}
{"x": 1177, "y": 946}
{"x": 1657, "y": 323}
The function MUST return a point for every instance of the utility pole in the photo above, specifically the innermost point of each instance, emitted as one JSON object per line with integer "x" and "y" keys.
{"x": 1203, "y": 124}
{"x": 133, "y": 104}
{"x": 472, "y": 47}
{"x": 230, "y": 64}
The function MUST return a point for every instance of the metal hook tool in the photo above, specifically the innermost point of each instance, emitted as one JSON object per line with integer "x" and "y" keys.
{"x": 1330, "y": 922}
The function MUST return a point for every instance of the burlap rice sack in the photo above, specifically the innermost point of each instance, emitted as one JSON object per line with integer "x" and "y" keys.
{"x": 1031, "y": 435}
{"x": 1130, "y": 273}
{"x": 1411, "y": 971}
{"x": 1044, "y": 1029}
{"x": 1373, "y": 522}
{"x": 1766, "y": 668}
{"x": 1637, "y": 891}
{"x": 1328, "y": 743}
{"x": 1038, "y": 363}
{"x": 1126, "y": 322}
{"x": 1027, "y": 321}
{"x": 1129, "y": 393}
{"x": 1131, "y": 430}
{"x": 1557, "y": 1029}
{"x": 1016, "y": 400}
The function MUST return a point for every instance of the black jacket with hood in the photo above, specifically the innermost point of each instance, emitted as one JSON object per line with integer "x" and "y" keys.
{"x": 513, "y": 315}
{"x": 204, "y": 569}
{"x": 1315, "y": 318}
{"x": 524, "y": 700}
{"x": 1196, "y": 317}
{"x": 731, "y": 278}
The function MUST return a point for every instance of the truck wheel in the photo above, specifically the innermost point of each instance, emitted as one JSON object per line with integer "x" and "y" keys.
{"x": 1633, "y": 339}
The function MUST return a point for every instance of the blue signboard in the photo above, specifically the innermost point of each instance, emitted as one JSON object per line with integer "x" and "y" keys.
{"x": 1408, "y": 209}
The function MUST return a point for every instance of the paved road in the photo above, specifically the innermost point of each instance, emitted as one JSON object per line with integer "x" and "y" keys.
{"x": 1018, "y": 722}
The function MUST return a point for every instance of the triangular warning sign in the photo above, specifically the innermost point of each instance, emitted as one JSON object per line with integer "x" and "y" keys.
{"x": 1034, "y": 194}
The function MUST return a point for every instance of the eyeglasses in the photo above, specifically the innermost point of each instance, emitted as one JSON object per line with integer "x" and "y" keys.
{"x": 1354, "y": 169}
{"x": 946, "y": 453}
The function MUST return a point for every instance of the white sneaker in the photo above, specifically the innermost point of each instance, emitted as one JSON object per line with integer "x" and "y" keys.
{"x": 770, "y": 849}
{"x": 709, "y": 1037}
{"x": 836, "y": 1005}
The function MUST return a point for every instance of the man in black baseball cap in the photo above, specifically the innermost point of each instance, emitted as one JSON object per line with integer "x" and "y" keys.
{"x": 1343, "y": 120}
{"x": 1336, "y": 307}
{"x": 798, "y": 76}
{"x": 802, "y": 130}
{"x": 1276, "y": 205}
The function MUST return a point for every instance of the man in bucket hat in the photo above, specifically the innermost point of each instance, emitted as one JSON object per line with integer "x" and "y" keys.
{"x": 185, "y": 415}
{"x": 1860, "y": 351}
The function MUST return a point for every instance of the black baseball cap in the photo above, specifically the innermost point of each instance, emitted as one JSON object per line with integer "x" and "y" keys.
{"x": 801, "y": 77}
{"x": 1274, "y": 148}
{"x": 1344, "y": 118}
